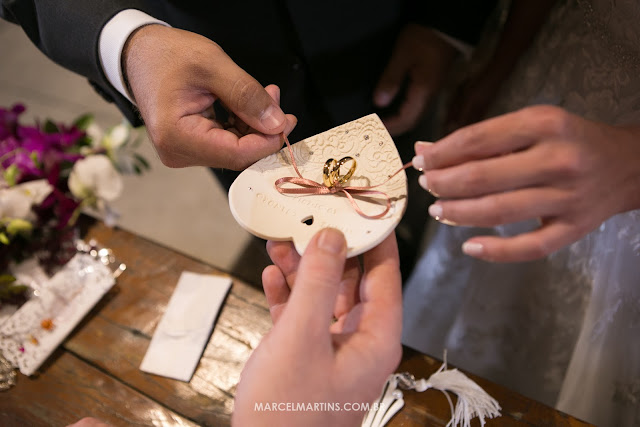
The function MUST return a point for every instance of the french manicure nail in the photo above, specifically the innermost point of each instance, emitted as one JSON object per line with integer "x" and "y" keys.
{"x": 422, "y": 180}
{"x": 332, "y": 241}
{"x": 435, "y": 210}
{"x": 418, "y": 163}
{"x": 272, "y": 117}
{"x": 472, "y": 248}
{"x": 424, "y": 143}
{"x": 421, "y": 146}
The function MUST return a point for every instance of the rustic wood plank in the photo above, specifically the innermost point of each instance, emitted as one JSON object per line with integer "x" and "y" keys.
{"x": 99, "y": 370}
{"x": 70, "y": 389}
{"x": 432, "y": 408}
{"x": 116, "y": 337}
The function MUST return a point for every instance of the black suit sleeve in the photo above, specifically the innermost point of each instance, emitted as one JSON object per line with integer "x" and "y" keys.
{"x": 461, "y": 19}
{"x": 68, "y": 31}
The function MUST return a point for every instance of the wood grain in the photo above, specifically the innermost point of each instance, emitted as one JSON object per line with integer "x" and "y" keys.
{"x": 96, "y": 371}
{"x": 71, "y": 389}
{"x": 432, "y": 408}
{"x": 124, "y": 326}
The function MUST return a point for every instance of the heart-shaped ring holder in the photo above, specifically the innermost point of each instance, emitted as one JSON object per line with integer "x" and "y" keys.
{"x": 367, "y": 158}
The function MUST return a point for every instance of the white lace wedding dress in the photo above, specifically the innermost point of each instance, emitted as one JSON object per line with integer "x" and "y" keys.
{"x": 566, "y": 329}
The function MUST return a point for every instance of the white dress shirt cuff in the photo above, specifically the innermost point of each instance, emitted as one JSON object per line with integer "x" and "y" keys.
{"x": 111, "y": 43}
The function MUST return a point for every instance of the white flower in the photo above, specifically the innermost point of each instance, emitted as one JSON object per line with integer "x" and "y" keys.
{"x": 116, "y": 137}
{"x": 121, "y": 143}
{"x": 95, "y": 133}
{"x": 16, "y": 201}
{"x": 95, "y": 177}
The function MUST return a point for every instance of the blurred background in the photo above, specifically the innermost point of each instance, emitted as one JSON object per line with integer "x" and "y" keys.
{"x": 183, "y": 209}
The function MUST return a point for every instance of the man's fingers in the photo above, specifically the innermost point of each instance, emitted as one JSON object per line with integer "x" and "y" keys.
{"x": 378, "y": 317}
{"x": 390, "y": 81}
{"x": 553, "y": 235}
{"x": 348, "y": 292}
{"x": 197, "y": 141}
{"x": 274, "y": 92}
{"x": 313, "y": 298}
{"x": 411, "y": 109}
{"x": 381, "y": 282}
{"x": 286, "y": 258}
{"x": 245, "y": 96}
{"x": 276, "y": 290}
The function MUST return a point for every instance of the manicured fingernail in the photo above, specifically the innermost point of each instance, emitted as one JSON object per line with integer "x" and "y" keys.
{"x": 435, "y": 210}
{"x": 382, "y": 99}
{"x": 272, "y": 117}
{"x": 332, "y": 241}
{"x": 423, "y": 182}
{"x": 418, "y": 163}
{"x": 472, "y": 248}
{"x": 423, "y": 144}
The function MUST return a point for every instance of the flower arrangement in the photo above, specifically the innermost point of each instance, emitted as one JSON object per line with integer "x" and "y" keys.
{"x": 50, "y": 172}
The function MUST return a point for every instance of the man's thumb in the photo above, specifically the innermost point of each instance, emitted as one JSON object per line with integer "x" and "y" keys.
{"x": 319, "y": 275}
{"x": 246, "y": 97}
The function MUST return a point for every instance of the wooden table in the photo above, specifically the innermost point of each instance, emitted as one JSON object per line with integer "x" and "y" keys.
{"x": 95, "y": 372}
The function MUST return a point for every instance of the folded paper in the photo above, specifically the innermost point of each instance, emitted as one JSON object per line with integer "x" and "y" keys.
{"x": 258, "y": 205}
{"x": 185, "y": 327}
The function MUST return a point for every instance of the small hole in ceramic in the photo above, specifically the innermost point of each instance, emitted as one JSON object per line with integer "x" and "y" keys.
{"x": 308, "y": 220}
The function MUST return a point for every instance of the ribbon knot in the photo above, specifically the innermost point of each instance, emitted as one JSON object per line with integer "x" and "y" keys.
{"x": 333, "y": 183}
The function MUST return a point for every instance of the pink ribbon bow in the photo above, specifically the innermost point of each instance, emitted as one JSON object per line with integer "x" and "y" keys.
{"x": 309, "y": 186}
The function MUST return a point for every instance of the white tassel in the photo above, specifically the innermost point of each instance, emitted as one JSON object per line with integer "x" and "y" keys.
{"x": 472, "y": 402}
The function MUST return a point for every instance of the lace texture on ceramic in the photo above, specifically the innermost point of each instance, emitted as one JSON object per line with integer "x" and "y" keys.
{"x": 260, "y": 208}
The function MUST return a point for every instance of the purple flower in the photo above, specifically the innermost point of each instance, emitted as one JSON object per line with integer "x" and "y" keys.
{"x": 9, "y": 120}
{"x": 34, "y": 150}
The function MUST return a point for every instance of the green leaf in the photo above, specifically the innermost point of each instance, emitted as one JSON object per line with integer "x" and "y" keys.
{"x": 50, "y": 127}
{"x": 11, "y": 175}
{"x": 4, "y": 239}
{"x": 34, "y": 158}
{"x": 6, "y": 279}
{"x": 11, "y": 290}
{"x": 19, "y": 226}
{"x": 84, "y": 121}
{"x": 142, "y": 161}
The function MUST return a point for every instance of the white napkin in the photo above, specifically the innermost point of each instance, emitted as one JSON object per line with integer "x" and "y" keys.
{"x": 185, "y": 327}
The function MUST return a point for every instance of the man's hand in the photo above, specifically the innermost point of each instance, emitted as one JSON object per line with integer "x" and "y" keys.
{"x": 537, "y": 163}
{"x": 421, "y": 57}
{"x": 176, "y": 76}
{"x": 307, "y": 357}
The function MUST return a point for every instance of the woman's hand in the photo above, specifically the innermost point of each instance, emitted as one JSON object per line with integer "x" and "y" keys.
{"x": 537, "y": 163}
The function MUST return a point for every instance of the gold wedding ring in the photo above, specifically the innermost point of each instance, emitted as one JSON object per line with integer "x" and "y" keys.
{"x": 328, "y": 173}
{"x": 331, "y": 171}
